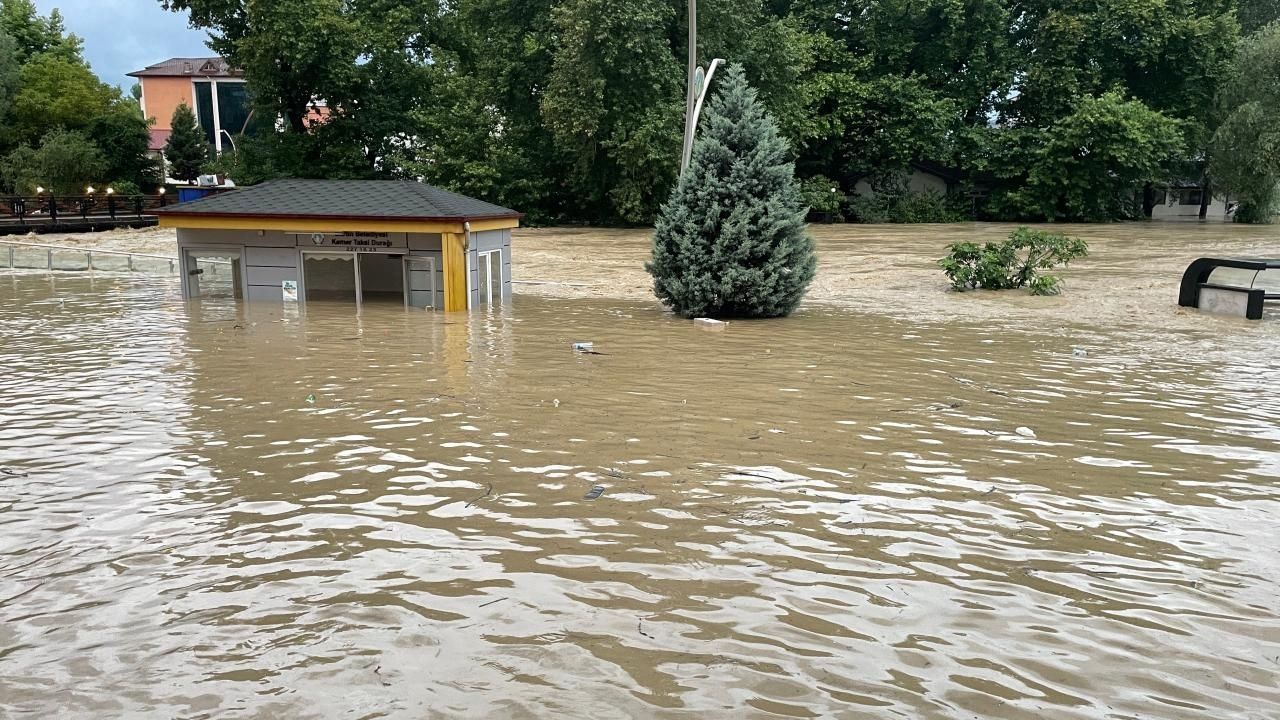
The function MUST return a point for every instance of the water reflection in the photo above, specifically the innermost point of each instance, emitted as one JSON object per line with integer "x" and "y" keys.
{"x": 319, "y": 513}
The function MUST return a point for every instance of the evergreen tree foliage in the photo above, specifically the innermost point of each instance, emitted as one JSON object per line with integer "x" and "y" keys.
{"x": 186, "y": 151}
{"x": 731, "y": 240}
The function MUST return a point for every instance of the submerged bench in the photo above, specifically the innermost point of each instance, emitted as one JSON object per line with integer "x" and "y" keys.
{"x": 1239, "y": 299}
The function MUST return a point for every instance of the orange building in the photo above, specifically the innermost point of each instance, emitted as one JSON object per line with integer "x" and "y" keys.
{"x": 215, "y": 91}
{"x": 212, "y": 89}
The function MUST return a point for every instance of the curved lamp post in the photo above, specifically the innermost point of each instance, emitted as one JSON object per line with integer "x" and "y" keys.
{"x": 699, "y": 83}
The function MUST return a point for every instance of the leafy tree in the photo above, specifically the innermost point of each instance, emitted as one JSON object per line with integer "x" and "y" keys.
{"x": 9, "y": 72}
{"x": 122, "y": 134}
{"x": 1169, "y": 58}
{"x": 893, "y": 81}
{"x": 57, "y": 92}
{"x": 368, "y": 61}
{"x": 731, "y": 240}
{"x": 1086, "y": 165}
{"x": 1257, "y": 14}
{"x": 65, "y": 162}
{"x": 35, "y": 34}
{"x": 1246, "y": 146}
{"x": 185, "y": 152}
{"x": 70, "y": 161}
{"x": 612, "y": 103}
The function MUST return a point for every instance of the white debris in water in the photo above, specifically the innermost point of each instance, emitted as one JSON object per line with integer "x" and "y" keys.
{"x": 710, "y": 324}
{"x": 1025, "y": 432}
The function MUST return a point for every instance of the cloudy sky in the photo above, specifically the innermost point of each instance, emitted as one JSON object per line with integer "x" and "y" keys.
{"x": 125, "y": 35}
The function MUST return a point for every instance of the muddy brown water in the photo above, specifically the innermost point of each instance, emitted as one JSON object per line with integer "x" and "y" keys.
{"x": 208, "y": 511}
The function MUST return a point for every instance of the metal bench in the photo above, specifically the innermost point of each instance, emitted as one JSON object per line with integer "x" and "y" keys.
{"x": 1233, "y": 299}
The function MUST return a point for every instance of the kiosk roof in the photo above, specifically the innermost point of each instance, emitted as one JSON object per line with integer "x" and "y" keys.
{"x": 343, "y": 199}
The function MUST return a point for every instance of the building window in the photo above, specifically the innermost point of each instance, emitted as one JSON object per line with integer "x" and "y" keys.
{"x": 1189, "y": 196}
{"x": 222, "y": 111}
{"x": 233, "y": 108}
{"x": 204, "y": 110}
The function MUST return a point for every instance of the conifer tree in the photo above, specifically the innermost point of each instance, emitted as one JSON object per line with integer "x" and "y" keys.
{"x": 185, "y": 152}
{"x": 731, "y": 240}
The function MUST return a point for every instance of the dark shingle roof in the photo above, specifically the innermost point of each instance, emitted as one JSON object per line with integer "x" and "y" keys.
{"x": 179, "y": 66}
{"x": 343, "y": 199}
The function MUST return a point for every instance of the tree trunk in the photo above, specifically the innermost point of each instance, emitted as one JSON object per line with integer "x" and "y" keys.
{"x": 1148, "y": 200}
{"x": 1206, "y": 197}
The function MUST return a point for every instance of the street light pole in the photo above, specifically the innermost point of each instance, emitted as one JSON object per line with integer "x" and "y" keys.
{"x": 689, "y": 94}
{"x": 697, "y": 90}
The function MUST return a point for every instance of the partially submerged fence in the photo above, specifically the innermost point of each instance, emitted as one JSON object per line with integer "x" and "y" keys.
{"x": 37, "y": 256}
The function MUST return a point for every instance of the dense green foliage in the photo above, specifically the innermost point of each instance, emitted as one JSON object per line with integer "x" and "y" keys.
{"x": 64, "y": 162}
{"x": 1085, "y": 165}
{"x": 60, "y": 127}
{"x": 1246, "y": 146}
{"x": 185, "y": 151}
{"x": 1012, "y": 263}
{"x": 571, "y": 110}
{"x": 821, "y": 194}
{"x": 731, "y": 239}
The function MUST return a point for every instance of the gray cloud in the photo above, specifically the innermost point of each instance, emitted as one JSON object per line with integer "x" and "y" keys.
{"x": 125, "y": 35}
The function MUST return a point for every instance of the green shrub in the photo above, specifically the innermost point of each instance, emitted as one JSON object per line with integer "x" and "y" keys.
{"x": 126, "y": 188}
{"x": 1012, "y": 263}
{"x": 821, "y": 194}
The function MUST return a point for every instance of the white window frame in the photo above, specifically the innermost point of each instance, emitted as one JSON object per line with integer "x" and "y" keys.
{"x": 487, "y": 266}
{"x": 184, "y": 266}
{"x": 213, "y": 99}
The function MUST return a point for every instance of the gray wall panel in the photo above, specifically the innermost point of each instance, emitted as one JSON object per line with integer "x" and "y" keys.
{"x": 272, "y": 256}
{"x": 260, "y": 293}
{"x": 271, "y": 275}
{"x": 424, "y": 241}
{"x": 268, "y": 238}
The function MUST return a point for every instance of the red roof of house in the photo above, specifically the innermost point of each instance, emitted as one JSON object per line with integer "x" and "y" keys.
{"x": 158, "y": 139}
{"x": 194, "y": 67}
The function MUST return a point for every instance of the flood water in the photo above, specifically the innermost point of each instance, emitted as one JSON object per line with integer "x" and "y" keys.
{"x": 208, "y": 512}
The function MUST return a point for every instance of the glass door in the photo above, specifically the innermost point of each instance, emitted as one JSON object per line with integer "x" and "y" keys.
{"x": 421, "y": 279}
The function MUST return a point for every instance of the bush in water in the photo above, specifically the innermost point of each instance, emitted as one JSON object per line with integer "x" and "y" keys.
{"x": 1013, "y": 263}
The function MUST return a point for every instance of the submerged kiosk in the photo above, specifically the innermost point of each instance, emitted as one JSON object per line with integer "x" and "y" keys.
{"x": 353, "y": 240}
